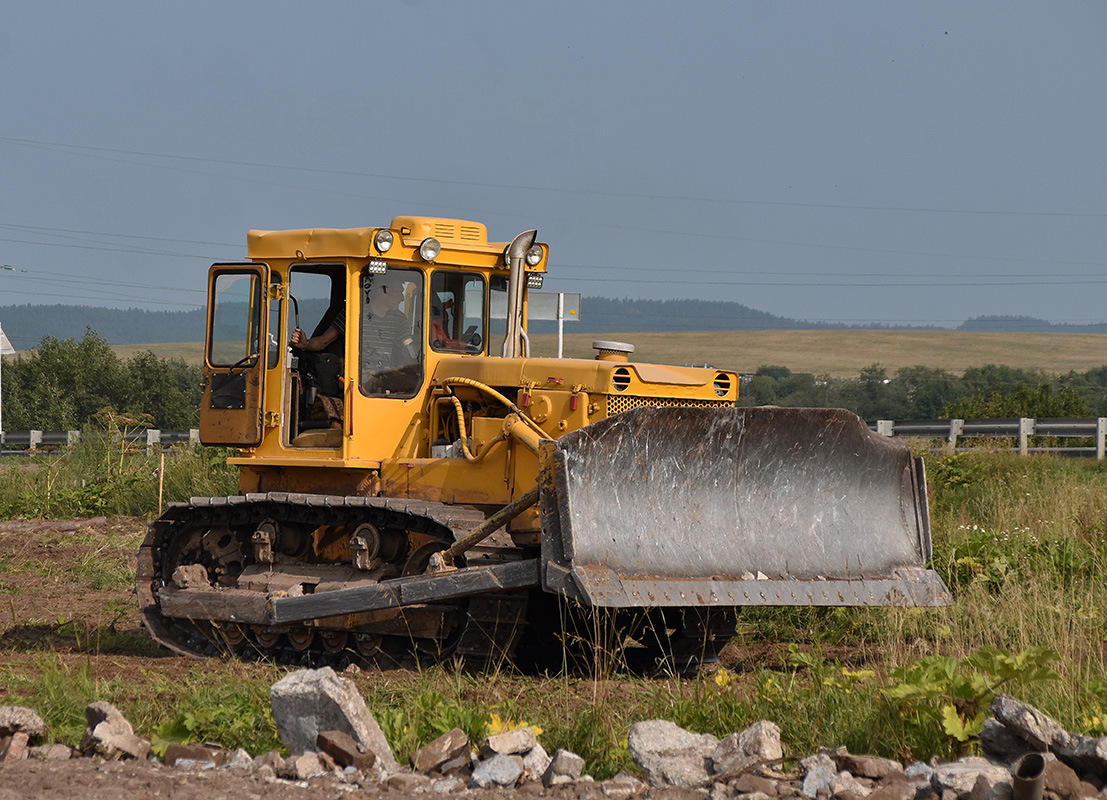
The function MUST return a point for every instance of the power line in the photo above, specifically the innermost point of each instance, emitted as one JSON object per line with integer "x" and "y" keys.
{"x": 529, "y": 188}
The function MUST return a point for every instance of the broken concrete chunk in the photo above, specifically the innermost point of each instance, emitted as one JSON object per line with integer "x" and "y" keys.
{"x": 669, "y": 755}
{"x": 499, "y": 770}
{"x": 445, "y": 750}
{"x": 302, "y": 767}
{"x": 565, "y": 766}
{"x": 535, "y": 762}
{"x": 757, "y": 744}
{"x": 14, "y": 719}
{"x": 344, "y": 750}
{"x": 868, "y": 766}
{"x": 309, "y": 701}
{"x": 818, "y": 771}
{"x": 110, "y": 735}
{"x": 961, "y": 776}
{"x": 516, "y": 742}
{"x": 195, "y": 755}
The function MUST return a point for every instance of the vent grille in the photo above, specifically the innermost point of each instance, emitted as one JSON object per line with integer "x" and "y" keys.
{"x": 470, "y": 233}
{"x": 620, "y": 379}
{"x": 444, "y": 230}
{"x": 619, "y": 404}
{"x": 722, "y": 384}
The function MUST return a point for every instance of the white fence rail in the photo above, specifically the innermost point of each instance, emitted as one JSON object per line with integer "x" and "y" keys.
{"x": 953, "y": 431}
{"x": 1024, "y": 430}
{"x": 23, "y": 442}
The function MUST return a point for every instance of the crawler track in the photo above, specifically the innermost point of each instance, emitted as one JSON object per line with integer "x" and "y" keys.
{"x": 311, "y": 537}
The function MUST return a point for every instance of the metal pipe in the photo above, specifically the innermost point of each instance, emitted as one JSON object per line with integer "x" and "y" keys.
{"x": 444, "y": 560}
{"x": 1028, "y": 777}
{"x": 516, "y": 253}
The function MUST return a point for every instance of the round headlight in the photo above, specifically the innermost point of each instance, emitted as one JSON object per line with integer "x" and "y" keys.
{"x": 429, "y": 249}
{"x": 383, "y": 241}
{"x": 534, "y": 255}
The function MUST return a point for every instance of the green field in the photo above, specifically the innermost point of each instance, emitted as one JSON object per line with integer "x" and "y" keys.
{"x": 838, "y": 354}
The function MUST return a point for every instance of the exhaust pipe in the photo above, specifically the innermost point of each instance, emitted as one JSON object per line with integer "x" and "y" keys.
{"x": 516, "y": 252}
{"x": 1028, "y": 777}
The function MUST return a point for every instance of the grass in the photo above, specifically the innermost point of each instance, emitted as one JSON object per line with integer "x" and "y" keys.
{"x": 102, "y": 475}
{"x": 1021, "y": 542}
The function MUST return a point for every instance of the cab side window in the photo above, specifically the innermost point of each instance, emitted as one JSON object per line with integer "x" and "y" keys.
{"x": 457, "y": 312}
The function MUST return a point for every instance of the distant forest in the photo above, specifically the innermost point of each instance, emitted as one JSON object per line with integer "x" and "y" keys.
{"x": 26, "y": 325}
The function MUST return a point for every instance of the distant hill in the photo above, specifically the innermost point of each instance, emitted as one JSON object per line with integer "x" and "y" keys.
{"x": 1012, "y": 324}
{"x": 25, "y": 325}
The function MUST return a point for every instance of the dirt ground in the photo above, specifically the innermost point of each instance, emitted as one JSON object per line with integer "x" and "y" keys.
{"x": 66, "y": 599}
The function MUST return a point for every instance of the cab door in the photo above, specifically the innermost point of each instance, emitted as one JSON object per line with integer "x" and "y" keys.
{"x": 234, "y": 355}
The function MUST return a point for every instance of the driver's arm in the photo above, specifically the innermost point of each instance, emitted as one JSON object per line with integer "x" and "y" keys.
{"x": 301, "y": 342}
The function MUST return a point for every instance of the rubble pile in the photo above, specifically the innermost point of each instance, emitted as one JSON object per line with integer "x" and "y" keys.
{"x": 333, "y": 739}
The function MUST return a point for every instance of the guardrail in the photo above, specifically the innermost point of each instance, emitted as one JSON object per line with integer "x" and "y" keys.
{"x": 14, "y": 443}
{"x": 1023, "y": 429}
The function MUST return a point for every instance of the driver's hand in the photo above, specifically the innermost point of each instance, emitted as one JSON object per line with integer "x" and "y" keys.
{"x": 298, "y": 339}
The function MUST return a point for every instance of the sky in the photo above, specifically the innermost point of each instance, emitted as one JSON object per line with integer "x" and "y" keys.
{"x": 854, "y": 162}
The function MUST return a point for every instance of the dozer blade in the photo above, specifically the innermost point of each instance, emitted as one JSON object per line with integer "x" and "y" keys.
{"x": 735, "y": 507}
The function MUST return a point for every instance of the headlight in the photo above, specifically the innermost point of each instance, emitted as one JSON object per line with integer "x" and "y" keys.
{"x": 383, "y": 241}
{"x": 429, "y": 249}
{"x": 377, "y": 266}
{"x": 534, "y": 255}
{"x": 534, "y": 280}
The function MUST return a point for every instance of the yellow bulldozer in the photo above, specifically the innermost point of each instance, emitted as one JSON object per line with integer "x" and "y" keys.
{"x": 416, "y": 485}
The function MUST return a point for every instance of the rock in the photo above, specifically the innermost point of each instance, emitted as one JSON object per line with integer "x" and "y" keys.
{"x": 308, "y": 701}
{"x": 195, "y": 755}
{"x": 51, "y": 752}
{"x": 302, "y": 767}
{"x": 443, "y": 754}
{"x": 818, "y": 771}
{"x": 999, "y": 743}
{"x": 536, "y": 762}
{"x": 408, "y": 783}
{"x": 668, "y": 755}
{"x": 15, "y": 719}
{"x": 757, "y": 744}
{"x": 894, "y": 787}
{"x": 961, "y": 776}
{"x": 918, "y": 773}
{"x": 240, "y": 759}
{"x": 110, "y": 735}
{"x": 516, "y": 742}
{"x": 448, "y": 785}
{"x": 749, "y": 784}
{"x": 565, "y": 767}
{"x": 499, "y": 770}
{"x": 843, "y": 784}
{"x": 344, "y": 750}
{"x": 272, "y": 759}
{"x": 985, "y": 789}
{"x": 868, "y": 766}
{"x": 15, "y": 747}
{"x": 622, "y": 787}
{"x": 1062, "y": 780}
{"x": 1083, "y": 753}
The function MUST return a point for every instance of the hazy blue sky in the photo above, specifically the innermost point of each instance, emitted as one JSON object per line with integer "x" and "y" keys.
{"x": 895, "y": 162}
